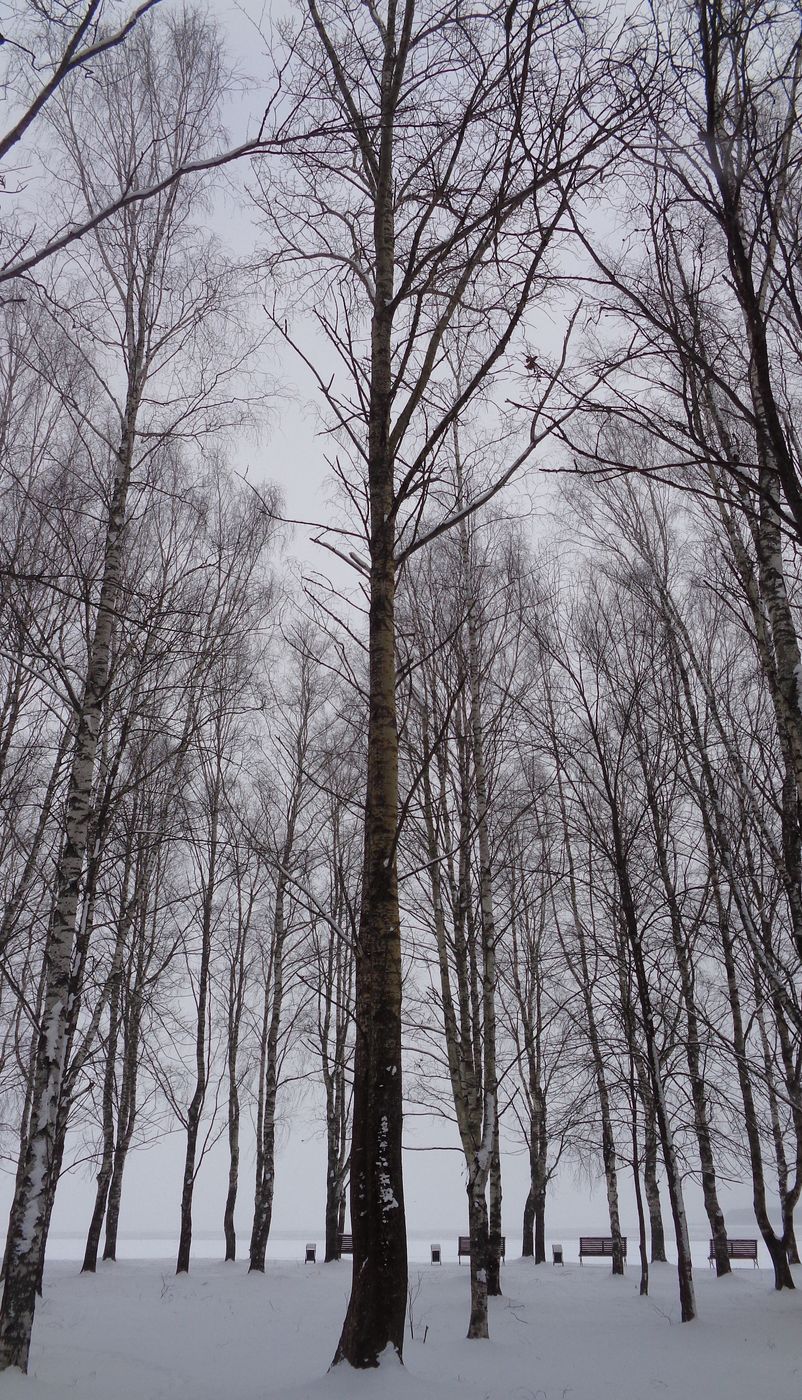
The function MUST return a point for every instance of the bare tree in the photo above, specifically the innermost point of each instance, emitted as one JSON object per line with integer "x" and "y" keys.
{"x": 401, "y": 228}
{"x": 136, "y": 263}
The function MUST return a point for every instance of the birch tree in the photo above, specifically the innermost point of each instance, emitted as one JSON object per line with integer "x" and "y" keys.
{"x": 144, "y": 287}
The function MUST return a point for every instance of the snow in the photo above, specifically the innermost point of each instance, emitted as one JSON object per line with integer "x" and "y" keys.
{"x": 134, "y": 1331}
{"x": 386, "y": 1192}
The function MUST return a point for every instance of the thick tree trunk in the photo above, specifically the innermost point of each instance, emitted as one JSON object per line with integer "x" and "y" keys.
{"x": 333, "y": 1197}
{"x": 263, "y": 1212}
{"x": 478, "y": 1231}
{"x": 229, "y": 1230}
{"x": 652, "y": 1190}
{"x": 114, "y": 1202}
{"x": 534, "y": 1219}
{"x": 24, "y": 1124}
{"x": 540, "y": 1228}
{"x": 494, "y": 1219}
{"x": 376, "y": 1313}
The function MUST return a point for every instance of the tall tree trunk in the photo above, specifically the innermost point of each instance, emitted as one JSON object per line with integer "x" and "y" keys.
{"x": 333, "y": 1197}
{"x": 585, "y": 982}
{"x": 27, "y": 1236}
{"x": 229, "y": 1229}
{"x": 127, "y": 1107}
{"x": 673, "y": 1175}
{"x": 488, "y": 922}
{"x": 464, "y": 1046}
{"x": 693, "y": 1047}
{"x": 478, "y": 1231}
{"x": 25, "y": 1120}
{"x": 376, "y": 1313}
{"x": 643, "y": 1288}
{"x": 125, "y": 919}
{"x": 271, "y": 1027}
{"x": 266, "y": 1126}
{"x": 195, "y": 1109}
{"x": 236, "y": 993}
{"x": 494, "y": 1219}
{"x": 528, "y": 1224}
{"x": 534, "y": 1222}
{"x": 652, "y": 1189}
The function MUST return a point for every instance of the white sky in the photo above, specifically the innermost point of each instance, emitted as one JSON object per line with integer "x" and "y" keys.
{"x": 290, "y": 453}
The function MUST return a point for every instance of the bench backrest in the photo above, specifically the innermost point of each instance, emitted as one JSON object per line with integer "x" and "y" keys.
{"x": 738, "y": 1249}
{"x": 743, "y": 1249}
{"x": 600, "y": 1245}
{"x": 464, "y": 1245}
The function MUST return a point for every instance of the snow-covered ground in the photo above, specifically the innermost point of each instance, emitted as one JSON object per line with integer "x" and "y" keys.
{"x": 136, "y": 1332}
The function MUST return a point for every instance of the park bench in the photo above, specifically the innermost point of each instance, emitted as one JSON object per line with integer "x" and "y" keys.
{"x": 345, "y": 1245}
{"x": 599, "y": 1247}
{"x": 464, "y": 1247}
{"x": 310, "y": 1254}
{"x": 437, "y": 1254}
{"x": 736, "y": 1249}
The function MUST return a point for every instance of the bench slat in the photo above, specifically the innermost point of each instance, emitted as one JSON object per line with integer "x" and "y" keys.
{"x": 464, "y": 1247}
{"x": 599, "y": 1247}
{"x": 737, "y": 1249}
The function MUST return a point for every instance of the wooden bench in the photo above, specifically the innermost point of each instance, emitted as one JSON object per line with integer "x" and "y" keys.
{"x": 599, "y": 1247}
{"x": 736, "y": 1249}
{"x": 310, "y": 1255}
{"x": 464, "y": 1247}
{"x": 345, "y": 1245}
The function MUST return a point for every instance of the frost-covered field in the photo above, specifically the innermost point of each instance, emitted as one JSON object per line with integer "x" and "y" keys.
{"x": 136, "y": 1332}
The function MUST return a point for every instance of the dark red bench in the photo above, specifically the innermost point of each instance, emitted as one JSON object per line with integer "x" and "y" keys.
{"x": 599, "y": 1247}
{"x": 464, "y": 1247}
{"x": 736, "y": 1249}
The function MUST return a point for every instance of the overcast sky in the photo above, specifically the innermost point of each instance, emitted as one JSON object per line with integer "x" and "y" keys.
{"x": 290, "y": 452}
